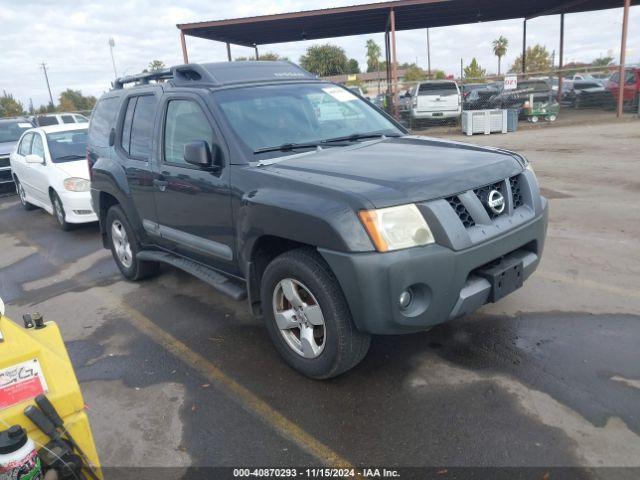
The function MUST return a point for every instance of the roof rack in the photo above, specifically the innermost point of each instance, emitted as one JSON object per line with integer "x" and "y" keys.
{"x": 179, "y": 75}
{"x": 143, "y": 78}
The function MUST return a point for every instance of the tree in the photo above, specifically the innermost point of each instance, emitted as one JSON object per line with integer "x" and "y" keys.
{"x": 373, "y": 56}
{"x": 9, "y": 106}
{"x": 269, "y": 56}
{"x": 500, "y": 45}
{"x": 353, "y": 67}
{"x": 602, "y": 61}
{"x": 413, "y": 73}
{"x": 325, "y": 60}
{"x": 538, "y": 60}
{"x": 156, "y": 65}
{"x": 74, "y": 101}
{"x": 474, "y": 71}
{"x": 438, "y": 74}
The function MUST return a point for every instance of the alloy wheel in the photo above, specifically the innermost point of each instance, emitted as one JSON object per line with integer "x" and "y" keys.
{"x": 57, "y": 206}
{"x": 23, "y": 195}
{"x": 121, "y": 244}
{"x": 299, "y": 318}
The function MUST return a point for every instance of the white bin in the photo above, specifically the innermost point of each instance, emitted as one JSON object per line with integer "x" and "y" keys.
{"x": 484, "y": 121}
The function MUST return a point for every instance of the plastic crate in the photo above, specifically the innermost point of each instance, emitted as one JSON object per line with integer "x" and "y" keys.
{"x": 484, "y": 121}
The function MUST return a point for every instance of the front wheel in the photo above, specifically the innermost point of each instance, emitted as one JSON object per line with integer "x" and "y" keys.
{"x": 125, "y": 247}
{"x": 308, "y": 318}
{"x": 58, "y": 212}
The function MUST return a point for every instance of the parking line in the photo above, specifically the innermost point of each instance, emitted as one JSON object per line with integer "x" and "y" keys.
{"x": 625, "y": 292}
{"x": 242, "y": 395}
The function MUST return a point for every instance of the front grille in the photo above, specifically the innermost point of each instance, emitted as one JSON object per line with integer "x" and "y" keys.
{"x": 483, "y": 192}
{"x": 462, "y": 211}
{"x": 516, "y": 195}
{"x": 4, "y": 162}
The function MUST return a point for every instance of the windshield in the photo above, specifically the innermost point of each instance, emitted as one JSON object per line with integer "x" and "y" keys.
{"x": 11, "y": 131}
{"x": 67, "y": 146}
{"x": 303, "y": 113}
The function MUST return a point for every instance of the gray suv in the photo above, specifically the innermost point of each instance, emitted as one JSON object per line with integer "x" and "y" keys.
{"x": 325, "y": 214}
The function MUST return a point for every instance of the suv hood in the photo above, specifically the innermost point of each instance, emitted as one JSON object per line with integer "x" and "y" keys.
{"x": 7, "y": 147}
{"x": 401, "y": 170}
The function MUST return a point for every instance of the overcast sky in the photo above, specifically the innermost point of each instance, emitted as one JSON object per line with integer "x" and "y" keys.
{"x": 72, "y": 38}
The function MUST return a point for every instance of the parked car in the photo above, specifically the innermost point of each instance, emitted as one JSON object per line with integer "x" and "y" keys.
{"x": 60, "y": 119}
{"x": 404, "y": 102}
{"x": 476, "y": 96}
{"x": 332, "y": 230}
{"x": 631, "y": 90}
{"x": 51, "y": 172}
{"x": 587, "y": 93}
{"x": 516, "y": 98}
{"x": 10, "y": 131}
{"x": 436, "y": 99}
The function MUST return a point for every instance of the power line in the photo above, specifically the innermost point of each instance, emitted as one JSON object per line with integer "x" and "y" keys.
{"x": 46, "y": 77}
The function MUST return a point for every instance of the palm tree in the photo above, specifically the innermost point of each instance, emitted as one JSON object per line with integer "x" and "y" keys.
{"x": 500, "y": 49}
{"x": 373, "y": 56}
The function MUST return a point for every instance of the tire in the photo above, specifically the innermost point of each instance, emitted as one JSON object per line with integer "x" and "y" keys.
{"x": 59, "y": 213}
{"x": 23, "y": 196}
{"x": 125, "y": 248}
{"x": 534, "y": 119}
{"x": 339, "y": 345}
{"x": 552, "y": 118}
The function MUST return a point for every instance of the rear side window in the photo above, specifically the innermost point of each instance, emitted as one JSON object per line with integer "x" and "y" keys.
{"x": 448, "y": 88}
{"x": 67, "y": 119}
{"x": 185, "y": 123}
{"x": 44, "y": 121}
{"x": 142, "y": 125}
{"x": 138, "y": 126}
{"x": 25, "y": 144}
{"x": 102, "y": 121}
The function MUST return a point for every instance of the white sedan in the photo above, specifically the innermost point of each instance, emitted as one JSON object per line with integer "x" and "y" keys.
{"x": 50, "y": 170}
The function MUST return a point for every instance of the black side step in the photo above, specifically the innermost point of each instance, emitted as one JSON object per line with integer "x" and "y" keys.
{"x": 218, "y": 281}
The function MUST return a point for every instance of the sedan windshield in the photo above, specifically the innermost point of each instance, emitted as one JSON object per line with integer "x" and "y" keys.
{"x": 67, "y": 146}
{"x": 266, "y": 117}
{"x": 10, "y": 131}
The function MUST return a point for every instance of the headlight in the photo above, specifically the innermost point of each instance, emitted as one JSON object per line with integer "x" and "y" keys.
{"x": 76, "y": 184}
{"x": 396, "y": 227}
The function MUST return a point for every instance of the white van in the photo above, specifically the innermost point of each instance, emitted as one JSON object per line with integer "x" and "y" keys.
{"x": 436, "y": 99}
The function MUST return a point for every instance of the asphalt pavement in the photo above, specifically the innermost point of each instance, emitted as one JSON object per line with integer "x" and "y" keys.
{"x": 175, "y": 374}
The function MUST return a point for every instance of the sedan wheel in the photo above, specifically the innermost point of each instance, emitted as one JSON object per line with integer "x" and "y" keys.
{"x": 23, "y": 195}
{"x": 57, "y": 206}
{"x": 121, "y": 244}
{"x": 299, "y": 318}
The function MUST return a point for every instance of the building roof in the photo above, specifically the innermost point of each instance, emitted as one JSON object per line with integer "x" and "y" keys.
{"x": 373, "y": 17}
{"x": 363, "y": 77}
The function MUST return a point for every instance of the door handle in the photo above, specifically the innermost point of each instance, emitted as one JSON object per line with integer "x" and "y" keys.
{"x": 160, "y": 184}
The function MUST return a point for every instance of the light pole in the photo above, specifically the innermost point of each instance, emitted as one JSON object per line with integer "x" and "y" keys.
{"x": 112, "y": 44}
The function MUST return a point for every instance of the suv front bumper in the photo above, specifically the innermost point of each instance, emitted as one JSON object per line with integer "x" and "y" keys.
{"x": 444, "y": 281}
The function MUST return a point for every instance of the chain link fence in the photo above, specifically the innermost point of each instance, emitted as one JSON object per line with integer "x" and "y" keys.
{"x": 567, "y": 96}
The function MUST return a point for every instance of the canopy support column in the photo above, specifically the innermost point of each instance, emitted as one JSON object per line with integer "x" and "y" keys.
{"x": 255, "y": 47}
{"x": 524, "y": 46}
{"x": 561, "y": 58}
{"x": 623, "y": 51}
{"x": 183, "y": 44}
{"x": 228, "y": 51}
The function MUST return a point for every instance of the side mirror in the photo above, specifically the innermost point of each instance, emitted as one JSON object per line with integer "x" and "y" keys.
{"x": 199, "y": 154}
{"x": 33, "y": 158}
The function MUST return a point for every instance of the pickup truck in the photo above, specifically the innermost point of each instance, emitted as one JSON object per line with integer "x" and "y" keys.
{"x": 332, "y": 227}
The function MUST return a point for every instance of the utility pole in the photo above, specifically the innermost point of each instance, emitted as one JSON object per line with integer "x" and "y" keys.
{"x": 428, "y": 56}
{"x": 461, "y": 70}
{"x": 46, "y": 77}
{"x": 112, "y": 44}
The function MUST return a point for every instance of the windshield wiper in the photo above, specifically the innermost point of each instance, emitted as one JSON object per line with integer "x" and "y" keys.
{"x": 358, "y": 136}
{"x": 286, "y": 147}
{"x": 69, "y": 157}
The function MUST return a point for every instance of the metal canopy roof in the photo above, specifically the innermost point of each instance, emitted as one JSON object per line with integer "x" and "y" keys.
{"x": 372, "y": 18}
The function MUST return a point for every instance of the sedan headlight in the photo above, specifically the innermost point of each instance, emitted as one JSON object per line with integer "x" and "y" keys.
{"x": 394, "y": 228}
{"x": 74, "y": 184}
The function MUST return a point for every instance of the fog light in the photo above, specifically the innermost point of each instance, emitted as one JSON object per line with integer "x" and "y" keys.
{"x": 405, "y": 299}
